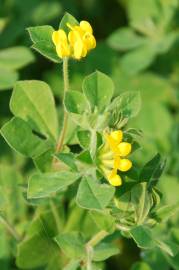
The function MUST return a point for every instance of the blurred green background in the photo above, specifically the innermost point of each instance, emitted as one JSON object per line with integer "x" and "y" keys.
{"x": 138, "y": 46}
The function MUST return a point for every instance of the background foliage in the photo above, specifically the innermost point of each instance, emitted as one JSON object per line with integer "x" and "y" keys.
{"x": 137, "y": 45}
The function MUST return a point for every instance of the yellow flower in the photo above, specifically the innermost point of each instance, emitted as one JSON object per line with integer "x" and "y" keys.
{"x": 77, "y": 44}
{"x": 60, "y": 40}
{"x": 111, "y": 157}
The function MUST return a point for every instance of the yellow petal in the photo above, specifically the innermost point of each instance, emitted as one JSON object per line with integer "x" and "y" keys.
{"x": 78, "y": 49}
{"x": 124, "y": 149}
{"x": 116, "y": 162}
{"x": 84, "y": 52}
{"x": 63, "y": 50}
{"x": 59, "y": 36}
{"x": 89, "y": 41}
{"x": 117, "y": 135}
{"x": 93, "y": 42}
{"x": 79, "y": 30}
{"x": 112, "y": 143}
{"x": 114, "y": 179}
{"x": 124, "y": 165}
{"x": 72, "y": 37}
{"x": 86, "y": 27}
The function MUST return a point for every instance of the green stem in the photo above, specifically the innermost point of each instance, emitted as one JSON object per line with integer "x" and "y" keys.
{"x": 56, "y": 215}
{"x": 65, "y": 119}
{"x": 89, "y": 258}
{"x": 90, "y": 244}
{"x": 97, "y": 238}
{"x": 10, "y": 228}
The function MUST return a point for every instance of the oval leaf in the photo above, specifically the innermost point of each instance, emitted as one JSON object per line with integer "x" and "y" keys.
{"x": 43, "y": 185}
{"x": 92, "y": 195}
{"x": 98, "y": 88}
{"x": 33, "y": 101}
{"x": 75, "y": 102}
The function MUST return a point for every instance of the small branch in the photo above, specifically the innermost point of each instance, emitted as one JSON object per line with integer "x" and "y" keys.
{"x": 122, "y": 228}
{"x": 10, "y": 228}
{"x": 65, "y": 119}
{"x": 89, "y": 250}
{"x": 62, "y": 136}
{"x": 97, "y": 238}
{"x": 90, "y": 244}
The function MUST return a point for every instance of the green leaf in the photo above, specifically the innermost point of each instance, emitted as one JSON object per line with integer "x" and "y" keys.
{"x": 15, "y": 58}
{"x": 165, "y": 212}
{"x": 92, "y": 195}
{"x": 41, "y": 33}
{"x": 98, "y": 89}
{"x": 7, "y": 78}
{"x": 152, "y": 170}
{"x": 44, "y": 161}
{"x": 137, "y": 60}
{"x": 67, "y": 18}
{"x": 39, "y": 235}
{"x": 85, "y": 157}
{"x": 41, "y": 36}
{"x": 125, "y": 39}
{"x": 124, "y": 200}
{"x": 34, "y": 252}
{"x": 173, "y": 261}
{"x": 168, "y": 186}
{"x": 33, "y": 102}
{"x": 103, "y": 251}
{"x": 75, "y": 102}
{"x": 155, "y": 258}
{"x": 155, "y": 134}
{"x": 84, "y": 138}
{"x": 141, "y": 266}
{"x": 68, "y": 159}
{"x": 41, "y": 16}
{"x": 165, "y": 44}
{"x": 10, "y": 180}
{"x": 141, "y": 200}
{"x": 19, "y": 135}
{"x": 43, "y": 185}
{"x": 73, "y": 265}
{"x": 72, "y": 244}
{"x": 169, "y": 247}
{"x": 47, "y": 50}
{"x": 143, "y": 237}
{"x": 127, "y": 105}
{"x": 142, "y": 17}
{"x": 104, "y": 221}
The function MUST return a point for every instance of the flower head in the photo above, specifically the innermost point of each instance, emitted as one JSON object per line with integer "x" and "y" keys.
{"x": 112, "y": 157}
{"x": 77, "y": 43}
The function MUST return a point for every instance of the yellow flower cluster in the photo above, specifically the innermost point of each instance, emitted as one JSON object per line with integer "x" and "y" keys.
{"x": 111, "y": 157}
{"x": 77, "y": 43}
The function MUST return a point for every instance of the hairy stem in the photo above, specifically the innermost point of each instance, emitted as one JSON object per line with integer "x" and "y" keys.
{"x": 10, "y": 228}
{"x": 65, "y": 119}
{"x": 97, "y": 238}
{"x": 90, "y": 244}
{"x": 89, "y": 250}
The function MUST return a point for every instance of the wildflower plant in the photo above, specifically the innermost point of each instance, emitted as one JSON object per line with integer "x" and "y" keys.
{"x": 90, "y": 195}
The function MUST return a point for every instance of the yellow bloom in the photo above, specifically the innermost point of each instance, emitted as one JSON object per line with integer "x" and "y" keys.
{"x": 60, "y": 40}
{"x": 77, "y": 44}
{"x": 111, "y": 157}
